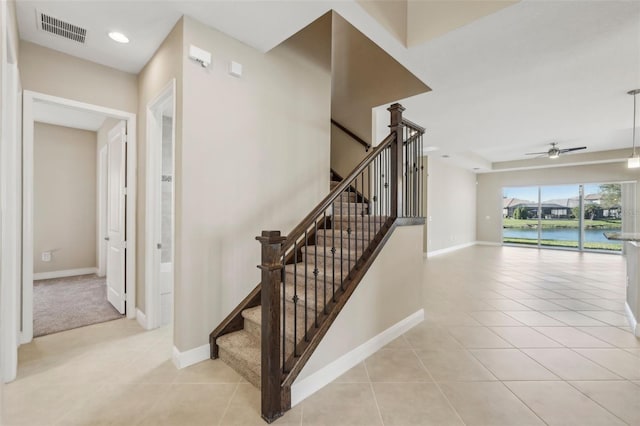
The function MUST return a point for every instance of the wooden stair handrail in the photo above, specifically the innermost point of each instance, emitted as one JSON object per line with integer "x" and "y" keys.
{"x": 310, "y": 219}
{"x": 413, "y": 126}
{"x": 355, "y": 137}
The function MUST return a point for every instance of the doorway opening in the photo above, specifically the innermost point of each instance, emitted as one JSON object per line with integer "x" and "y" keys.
{"x": 111, "y": 246}
{"x": 160, "y": 207}
{"x": 68, "y": 290}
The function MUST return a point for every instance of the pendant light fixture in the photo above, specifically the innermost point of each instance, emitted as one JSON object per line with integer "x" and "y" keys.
{"x": 634, "y": 161}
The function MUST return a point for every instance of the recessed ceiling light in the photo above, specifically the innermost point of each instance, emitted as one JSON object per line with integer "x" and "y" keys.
{"x": 119, "y": 37}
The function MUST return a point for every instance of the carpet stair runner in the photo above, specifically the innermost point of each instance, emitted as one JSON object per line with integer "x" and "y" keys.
{"x": 350, "y": 235}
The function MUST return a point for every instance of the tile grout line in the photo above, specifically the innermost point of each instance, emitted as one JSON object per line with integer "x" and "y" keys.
{"x": 437, "y": 385}
{"x": 596, "y": 402}
{"x": 226, "y": 408}
{"x": 373, "y": 391}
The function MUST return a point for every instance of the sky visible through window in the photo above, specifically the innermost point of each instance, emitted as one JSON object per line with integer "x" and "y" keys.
{"x": 530, "y": 193}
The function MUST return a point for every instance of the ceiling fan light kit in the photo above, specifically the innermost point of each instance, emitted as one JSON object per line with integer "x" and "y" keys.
{"x": 554, "y": 152}
{"x": 634, "y": 161}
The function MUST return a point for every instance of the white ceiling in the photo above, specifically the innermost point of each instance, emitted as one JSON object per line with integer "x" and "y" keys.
{"x": 509, "y": 83}
{"x": 531, "y": 74}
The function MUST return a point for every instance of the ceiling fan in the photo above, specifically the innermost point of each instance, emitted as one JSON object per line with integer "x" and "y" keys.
{"x": 554, "y": 151}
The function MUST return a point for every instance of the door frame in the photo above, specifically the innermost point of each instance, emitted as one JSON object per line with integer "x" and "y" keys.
{"x": 102, "y": 210}
{"x": 153, "y": 226}
{"x": 29, "y": 98}
{"x": 10, "y": 196}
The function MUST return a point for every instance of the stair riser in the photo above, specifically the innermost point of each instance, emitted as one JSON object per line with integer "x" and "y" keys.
{"x": 363, "y": 223}
{"x": 346, "y": 197}
{"x": 349, "y": 243}
{"x": 347, "y": 262}
{"x": 311, "y": 302}
{"x": 239, "y": 367}
{"x": 311, "y": 281}
{"x": 325, "y": 252}
{"x": 256, "y": 328}
{"x": 349, "y": 208}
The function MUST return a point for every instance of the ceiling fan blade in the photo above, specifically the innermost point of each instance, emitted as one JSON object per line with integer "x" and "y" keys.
{"x": 536, "y": 153}
{"x": 562, "y": 151}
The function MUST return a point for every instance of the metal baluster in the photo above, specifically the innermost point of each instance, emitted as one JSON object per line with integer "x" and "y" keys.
{"x": 416, "y": 207}
{"x": 375, "y": 193}
{"x": 324, "y": 258}
{"x": 348, "y": 231}
{"x": 370, "y": 198}
{"x": 316, "y": 271}
{"x": 355, "y": 186}
{"x": 295, "y": 298}
{"x": 306, "y": 275}
{"x": 341, "y": 241}
{"x": 333, "y": 251}
{"x": 284, "y": 313}
{"x": 422, "y": 197}
{"x": 362, "y": 211}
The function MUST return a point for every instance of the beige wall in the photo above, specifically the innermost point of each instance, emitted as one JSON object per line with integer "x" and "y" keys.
{"x": 64, "y": 218}
{"x": 429, "y": 19}
{"x": 451, "y": 205}
{"x": 390, "y": 291}
{"x": 391, "y": 14}
{"x": 165, "y": 65}
{"x": 489, "y": 198}
{"x": 255, "y": 156}
{"x": 53, "y": 73}
{"x": 363, "y": 76}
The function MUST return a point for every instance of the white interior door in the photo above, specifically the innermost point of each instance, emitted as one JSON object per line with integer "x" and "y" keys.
{"x": 116, "y": 205}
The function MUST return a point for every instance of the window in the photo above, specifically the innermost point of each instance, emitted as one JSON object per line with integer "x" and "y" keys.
{"x": 563, "y": 216}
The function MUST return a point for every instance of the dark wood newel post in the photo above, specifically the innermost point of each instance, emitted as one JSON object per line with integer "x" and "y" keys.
{"x": 271, "y": 374}
{"x": 397, "y": 183}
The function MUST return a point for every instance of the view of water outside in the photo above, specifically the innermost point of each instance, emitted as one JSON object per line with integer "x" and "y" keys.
{"x": 548, "y": 216}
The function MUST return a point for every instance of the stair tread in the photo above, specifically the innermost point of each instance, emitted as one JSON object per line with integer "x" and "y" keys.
{"x": 254, "y": 315}
{"x": 299, "y": 270}
{"x": 321, "y": 248}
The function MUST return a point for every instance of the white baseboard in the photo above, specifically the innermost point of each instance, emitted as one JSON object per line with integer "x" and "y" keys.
{"x": 307, "y": 386}
{"x": 190, "y": 357}
{"x": 633, "y": 322}
{"x": 449, "y": 249}
{"x": 488, "y": 243}
{"x": 66, "y": 273}
{"x": 142, "y": 319}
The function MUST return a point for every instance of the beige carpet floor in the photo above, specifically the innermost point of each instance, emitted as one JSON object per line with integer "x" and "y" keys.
{"x": 64, "y": 303}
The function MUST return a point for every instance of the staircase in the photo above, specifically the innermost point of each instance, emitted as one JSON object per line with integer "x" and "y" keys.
{"x": 241, "y": 349}
{"x": 308, "y": 276}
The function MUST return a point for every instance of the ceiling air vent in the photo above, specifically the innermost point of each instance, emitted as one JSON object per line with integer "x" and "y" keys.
{"x": 61, "y": 28}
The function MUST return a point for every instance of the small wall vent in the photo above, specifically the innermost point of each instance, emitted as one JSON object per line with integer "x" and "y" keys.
{"x": 61, "y": 28}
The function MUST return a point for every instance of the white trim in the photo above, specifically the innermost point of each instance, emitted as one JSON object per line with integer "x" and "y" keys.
{"x": 309, "y": 385}
{"x": 101, "y": 208}
{"x": 10, "y": 206}
{"x": 141, "y": 318}
{"x": 153, "y": 229}
{"x": 488, "y": 243}
{"x": 29, "y": 97}
{"x": 633, "y": 322}
{"x": 190, "y": 357}
{"x": 450, "y": 249}
{"x": 65, "y": 273}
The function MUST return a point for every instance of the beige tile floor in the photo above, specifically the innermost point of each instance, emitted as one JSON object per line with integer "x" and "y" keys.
{"x": 512, "y": 336}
